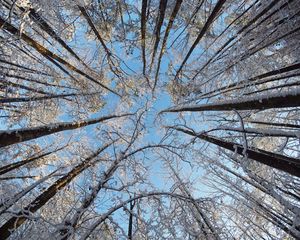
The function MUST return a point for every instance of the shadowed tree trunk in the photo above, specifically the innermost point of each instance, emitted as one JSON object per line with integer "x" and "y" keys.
{"x": 21, "y": 135}
{"x": 12, "y": 166}
{"x": 252, "y": 21}
{"x": 167, "y": 32}
{"x": 287, "y": 164}
{"x": 287, "y": 125}
{"x": 48, "y": 54}
{"x": 93, "y": 27}
{"x": 23, "y": 67}
{"x": 8, "y": 202}
{"x": 278, "y": 100}
{"x": 143, "y": 33}
{"x": 40, "y": 21}
{"x": 159, "y": 22}
{"x": 262, "y": 132}
{"x": 206, "y": 26}
{"x": 54, "y": 96}
{"x": 243, "y": 83}
{"x": 130, "y": 221}
{"x": 13, "y": 223}
{"x": 16, "y": 85}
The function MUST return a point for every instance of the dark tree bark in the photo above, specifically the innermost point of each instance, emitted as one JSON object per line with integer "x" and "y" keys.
{"x": 287, "y": 125}
{"x": 281, "y": 100}
{"x": 54, "y": 96}
{"x": 13, "y": 166}
{"x": 27, "y": 79}
{"x": 167, "y": 32}
{"x": 130, "y": 221}
{"x": 252, "y": 21}
{"x": 29, "y": 89}
{"x": 159, "y": 22}
{"x": 48, "y": 54}
{"x": 93, "y": 27}
{"x": 287, "y": 164}
{"x": 206, "y": 26}
{"x": 40, "y": 21}
{"x": 8, "y": 202}
{"x": 143, "y": 34}
{"x": 253, "y": 80}
{"x": 14, "y": 222}
{"x": 23, "y": 67}
{"x": 21, "y": 135}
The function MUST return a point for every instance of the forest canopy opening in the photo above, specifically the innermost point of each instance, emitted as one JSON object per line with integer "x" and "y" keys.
{"x": 149, "y": 119}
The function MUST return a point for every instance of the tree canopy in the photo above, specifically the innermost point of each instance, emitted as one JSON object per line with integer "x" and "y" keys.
{"x": 150, "y": 119}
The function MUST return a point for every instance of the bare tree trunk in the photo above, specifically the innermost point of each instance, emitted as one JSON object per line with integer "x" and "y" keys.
{"x": 13, "y": 166}
{"x": 130, "y": 221}
{"x": 7, "y": 203}
{"x": 167, "y": 32}
{"x": 287, "y": 164}
{"x": 159, "y": 22}
{"x": 262, "y": 132}
{"x": 13, "y": 223}
{"x": 252, "y": 21}
{"x": 40, "y": 21}
{"x": 16, "y": 85}
{"x": 21, "y": 135}
{"x": 276, "y": 124}
{"x": 278, "y": 100}
{"x": 206, "y": 26}
{"x": 243, "y": 83}
{"x": 48, "y": 54}
{"x": 53, "y": 96}
{"x": 207, "y": 228}
{"x": 143, "y": 34}
{"x": 93, "y": 27}
{"x": 23, "y": 67}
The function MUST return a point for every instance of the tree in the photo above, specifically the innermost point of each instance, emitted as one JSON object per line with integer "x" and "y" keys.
{"x": 149, "y": 119}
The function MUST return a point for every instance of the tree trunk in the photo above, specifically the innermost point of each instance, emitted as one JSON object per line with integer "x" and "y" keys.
{"x": 243, "y": 83}
{"x": 278, "y": 100}
{"x": 159, "y": 22}
{"x": 130, "y": 221}
{"x": 12, "y": 166}
{"x": 287, "y": 164}
{"x": 168, "y": 29}
{"x": 8, "y": 202}
{"x": 21, "y": 135}
{"x": 54, "y": 96}
{"x": 48, "y": 54}
{"x": 206, "y": 26}
{"x": 39, "y": 20}
{"x": 143, "y": 34}
{"x": 13, "y": 223}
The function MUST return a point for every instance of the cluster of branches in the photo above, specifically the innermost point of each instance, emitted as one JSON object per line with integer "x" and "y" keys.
{"x": 232, "y": 70}
{"x": 247, "y": 87}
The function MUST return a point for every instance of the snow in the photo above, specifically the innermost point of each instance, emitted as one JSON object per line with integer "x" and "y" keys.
{"x": 243, "y": 99}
